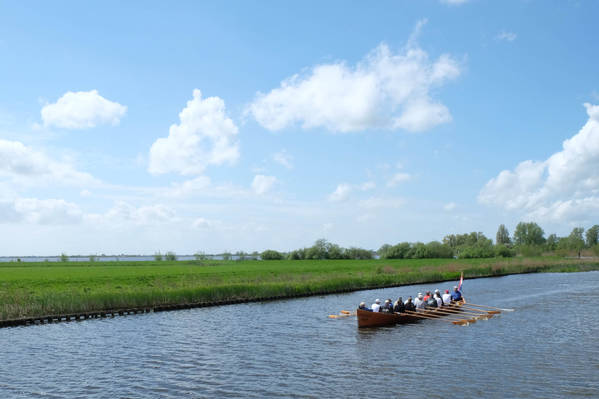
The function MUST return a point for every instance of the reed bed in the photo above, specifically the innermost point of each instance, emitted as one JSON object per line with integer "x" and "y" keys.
{"x": 41, "y": 289}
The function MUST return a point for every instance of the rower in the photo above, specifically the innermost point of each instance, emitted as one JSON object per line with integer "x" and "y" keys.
{"x": 428, "y": 295}
{"x": 387, "y": 306}
{"x": 438, "y": 299}
{"x": 410, "y": 305}
{"x": 399, "y": 306}
{"x": 431, "y": 303}
{"x": 456, "y": 295}
{"x": 419, "y": 301}
{"x": 376, "y": 306}
{"x": 362, "y": 306}
{"x": 438, "y": 294}
{"x": 446, "y": 298}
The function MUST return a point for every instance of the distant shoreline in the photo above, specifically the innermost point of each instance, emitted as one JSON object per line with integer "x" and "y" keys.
{"x": 32, "y": 293}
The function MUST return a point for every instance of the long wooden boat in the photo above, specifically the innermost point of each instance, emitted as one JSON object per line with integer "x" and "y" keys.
{"x": 377, "y": 319}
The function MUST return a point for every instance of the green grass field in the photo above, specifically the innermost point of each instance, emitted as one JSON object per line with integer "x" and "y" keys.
{"x": 39, "y": 289}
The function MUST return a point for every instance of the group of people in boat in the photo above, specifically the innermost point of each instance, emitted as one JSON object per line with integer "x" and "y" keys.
{"x": 428, "y": 301}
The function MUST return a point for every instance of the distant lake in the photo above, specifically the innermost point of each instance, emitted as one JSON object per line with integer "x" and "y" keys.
{"x": 113, "y": 258}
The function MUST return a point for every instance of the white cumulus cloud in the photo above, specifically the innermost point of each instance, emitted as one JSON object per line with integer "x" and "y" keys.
{"x": 40, "y": 211}
{"x": 205, "y": 136}
{"x": 262, "y": 184}
{"x": 563, "y": 187}
{"x": 506, "y": 36}
{"x": 27, "y": 166}
{"x": 385, "y": 90}
{"x": 449, "y": 206}
{"x": 283, "y": 158}
{"x": 398, "y": 178}
{"x": 81, "y": 110}
{"x": 124, "y": 213}
{"x": 343, "y": 190}
{"x": 205, "y": 224}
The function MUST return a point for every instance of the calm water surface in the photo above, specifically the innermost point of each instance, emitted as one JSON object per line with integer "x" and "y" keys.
{"x": 547, "y": 348}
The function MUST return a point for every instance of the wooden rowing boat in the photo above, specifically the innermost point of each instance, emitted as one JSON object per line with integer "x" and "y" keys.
{"x": 377, "y": 319}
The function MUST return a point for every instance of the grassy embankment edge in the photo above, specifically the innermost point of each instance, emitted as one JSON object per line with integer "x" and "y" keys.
{"x": 194, "y": 284}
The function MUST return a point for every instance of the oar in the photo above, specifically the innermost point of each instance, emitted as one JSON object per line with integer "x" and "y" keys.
{"x": 344, "y": 313}
{"x": 466, "y": 306}
{"x": 452, "y": 312}
{"x": 489, "y": 307}
{"x": 430, "y": 315}
{"x": 462, "y": 309}
{"x": 416, "y": 314}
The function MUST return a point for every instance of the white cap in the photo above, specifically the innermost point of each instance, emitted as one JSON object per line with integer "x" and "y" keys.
{"x": 362, "y": 304}
{"x": 436, "y": 291}
{"x": 420, "y": 295}
{"x": 377, "y": 301}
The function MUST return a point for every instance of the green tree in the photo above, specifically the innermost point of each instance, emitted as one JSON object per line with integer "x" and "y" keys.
{"x": 200, "y": 255}
{"x": 552, "y": 242}
{"x": 64, "y": 257}
{"x": 529, "y": 234}
{"x": 298, "y": 254}
{"x": 170, "y": 255}
{"x": 592, "y": 236}
{"x": 271, "y": 254}
{"x": 358, "y": 253}
{"x": 382, "y": 251}
{"x": 158, "y": 256}
{"x": 398, "y": 251}
{"x": 503, "y": 236}
{"x": 575, "y": 239}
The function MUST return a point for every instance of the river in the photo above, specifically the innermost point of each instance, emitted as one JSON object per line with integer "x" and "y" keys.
{"x": 547, "y": 348}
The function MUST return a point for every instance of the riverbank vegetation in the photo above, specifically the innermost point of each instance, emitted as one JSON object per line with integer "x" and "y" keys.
{"x": 52, "y": 288}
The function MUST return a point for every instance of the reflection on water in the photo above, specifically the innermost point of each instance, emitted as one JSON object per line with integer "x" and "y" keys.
{"x": 547, "y": 348}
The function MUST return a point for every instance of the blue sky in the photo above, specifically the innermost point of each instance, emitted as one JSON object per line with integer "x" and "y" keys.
{"x": 241, "y": 125}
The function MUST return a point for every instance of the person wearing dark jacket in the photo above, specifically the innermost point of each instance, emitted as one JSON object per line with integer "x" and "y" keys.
{"x": 399, "y": 306}
{"x": 409, "y": 305}
{"x": 387, "y": 306}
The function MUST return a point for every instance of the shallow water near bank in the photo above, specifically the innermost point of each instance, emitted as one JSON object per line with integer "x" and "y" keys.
{"x": 548, "y": 347}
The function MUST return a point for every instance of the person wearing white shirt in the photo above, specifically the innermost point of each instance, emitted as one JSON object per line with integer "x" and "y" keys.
{"x": 376, "y": 306}
{"x": 446, "y": 298}
{"x": 419, "y": 301}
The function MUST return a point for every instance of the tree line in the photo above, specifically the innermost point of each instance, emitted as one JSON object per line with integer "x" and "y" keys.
{"x": 528, "y": 240}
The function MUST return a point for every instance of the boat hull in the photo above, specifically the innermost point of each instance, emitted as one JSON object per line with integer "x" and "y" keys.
{"x": 378, "y": 319}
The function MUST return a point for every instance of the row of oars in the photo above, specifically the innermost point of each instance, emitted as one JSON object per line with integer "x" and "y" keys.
{"x": 463, "y": 314}
{"x": 459, "y": 315}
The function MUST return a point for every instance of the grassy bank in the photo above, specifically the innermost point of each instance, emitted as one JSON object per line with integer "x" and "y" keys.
{"x": 37, "y": 289}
